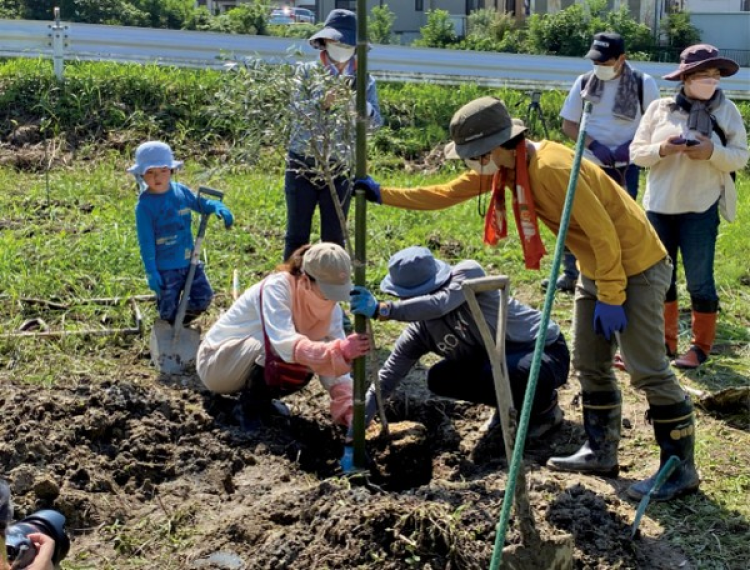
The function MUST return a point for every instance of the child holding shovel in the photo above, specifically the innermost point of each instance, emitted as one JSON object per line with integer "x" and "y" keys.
{"x": 163, "y": 222}
{"x": 625, "y": 276}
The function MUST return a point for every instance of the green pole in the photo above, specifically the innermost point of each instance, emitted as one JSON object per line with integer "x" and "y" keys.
{"x": 523, "y": 424}
{"x": 360, "y": 231}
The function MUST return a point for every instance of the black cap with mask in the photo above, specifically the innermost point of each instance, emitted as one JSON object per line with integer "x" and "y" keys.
{"x": 606, "y": 46}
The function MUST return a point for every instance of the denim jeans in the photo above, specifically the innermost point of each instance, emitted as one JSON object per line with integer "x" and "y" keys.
{"x": 200, "y": 297}
{"x": 302, "y": 197}
{"x": 628, "y": 179}
{"x": 472, "y": 380}
{"x": 694, "y": 236}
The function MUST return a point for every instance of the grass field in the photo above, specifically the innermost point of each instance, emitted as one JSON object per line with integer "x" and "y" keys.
{"x": 72, "y": 237}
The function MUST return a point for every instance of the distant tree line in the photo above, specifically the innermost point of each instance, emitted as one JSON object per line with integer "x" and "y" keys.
{"x": 567, "y": 32}
{"x": 248, "y": 18}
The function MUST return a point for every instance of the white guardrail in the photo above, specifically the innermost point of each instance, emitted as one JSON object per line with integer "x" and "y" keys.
{"x": 23, "y": 38}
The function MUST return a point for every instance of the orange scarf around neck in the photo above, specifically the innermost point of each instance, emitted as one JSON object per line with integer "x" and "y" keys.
{"x": 310, "y": 312}
{"x": 496, "y": 224}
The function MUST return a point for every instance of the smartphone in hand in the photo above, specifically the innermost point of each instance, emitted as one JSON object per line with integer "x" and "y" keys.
{"x": 691, "y": 142}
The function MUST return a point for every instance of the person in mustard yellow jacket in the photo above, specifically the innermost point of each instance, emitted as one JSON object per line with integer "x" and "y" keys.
{"x": 625, "y": 275}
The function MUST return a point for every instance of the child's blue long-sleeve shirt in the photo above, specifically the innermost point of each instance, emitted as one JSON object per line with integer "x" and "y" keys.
{"x": 163, "y": 222}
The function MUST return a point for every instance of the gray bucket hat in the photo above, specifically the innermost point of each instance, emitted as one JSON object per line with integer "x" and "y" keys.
{"x": 414, "y": 271}
{"x": 481, "y": 126}
{"x": 340, "y": 26}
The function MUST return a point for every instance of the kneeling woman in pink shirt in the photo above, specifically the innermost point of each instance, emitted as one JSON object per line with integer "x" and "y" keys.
{"x": 295, "y": 314}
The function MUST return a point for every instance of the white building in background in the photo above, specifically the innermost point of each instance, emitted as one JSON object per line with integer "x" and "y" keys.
{"x": 716, "y": 6}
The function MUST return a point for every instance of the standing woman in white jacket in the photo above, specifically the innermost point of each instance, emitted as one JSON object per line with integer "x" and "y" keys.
{"x": 693, "y": 142}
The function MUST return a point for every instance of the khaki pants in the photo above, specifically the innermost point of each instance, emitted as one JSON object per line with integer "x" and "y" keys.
{"x": 641, "y": 343}
{"x": 225, "y": 369}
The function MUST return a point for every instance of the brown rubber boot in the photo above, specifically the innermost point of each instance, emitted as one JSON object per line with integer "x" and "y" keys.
{"x": 671, "y": 327}
{"x": 704, "y": 333}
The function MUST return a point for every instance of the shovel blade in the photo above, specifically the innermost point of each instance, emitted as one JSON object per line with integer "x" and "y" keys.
{"x": 170, "y": 353}
{"x": 551, "y": 553}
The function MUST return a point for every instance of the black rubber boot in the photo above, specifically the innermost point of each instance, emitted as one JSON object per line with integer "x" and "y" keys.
{"x": 602, "y": 416}
{"x": 254, "y": 401}
{"x": 674, "y": 428}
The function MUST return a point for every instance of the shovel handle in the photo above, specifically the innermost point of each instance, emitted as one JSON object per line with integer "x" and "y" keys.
{"x": 194, "y": 259}
{"x": 661, "y": 477}
{"x": 218, "y": 194}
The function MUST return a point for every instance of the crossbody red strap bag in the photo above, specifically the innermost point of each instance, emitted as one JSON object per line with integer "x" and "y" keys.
{"x": 278, "y": 373}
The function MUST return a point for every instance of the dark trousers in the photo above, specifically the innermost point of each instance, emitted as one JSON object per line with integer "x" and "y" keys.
{"x": 472, "y": 380}
{"x": 693, "y": 235}
{"x": 303, "y": 195}
{"x": 627, "y": 177}
{"x": 200, "y": 297}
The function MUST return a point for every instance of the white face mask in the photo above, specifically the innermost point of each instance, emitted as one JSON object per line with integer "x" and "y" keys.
{"x": 485, "y": 169}
{"x": 703, "y": 89}
{"x": 605, "y": 72}
{"x": 340, "y": 52}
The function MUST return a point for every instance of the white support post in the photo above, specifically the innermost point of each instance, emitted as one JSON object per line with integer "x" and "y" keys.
{"x": 58, "y": 36}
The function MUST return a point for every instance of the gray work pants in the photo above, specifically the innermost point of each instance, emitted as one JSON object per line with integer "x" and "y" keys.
{"x": 641, "y": 343}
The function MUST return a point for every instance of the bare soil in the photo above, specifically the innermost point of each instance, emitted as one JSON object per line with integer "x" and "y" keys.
{"x": 153, "y": 472}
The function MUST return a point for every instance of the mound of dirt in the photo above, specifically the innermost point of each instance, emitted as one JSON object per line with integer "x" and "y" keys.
{"x": 158, "y": 472}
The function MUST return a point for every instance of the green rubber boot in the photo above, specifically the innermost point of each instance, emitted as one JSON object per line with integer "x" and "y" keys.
{"x": 602, "y": 416}
{"x": 674, "y": 428}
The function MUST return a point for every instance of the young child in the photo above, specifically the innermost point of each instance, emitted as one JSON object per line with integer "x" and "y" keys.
{"x": 163, "y": 221}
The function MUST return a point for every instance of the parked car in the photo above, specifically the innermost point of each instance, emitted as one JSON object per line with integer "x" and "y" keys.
{"x": 303, "y": 15}
{"x": 280, "y": 18}
{"x": 290, "y": 15}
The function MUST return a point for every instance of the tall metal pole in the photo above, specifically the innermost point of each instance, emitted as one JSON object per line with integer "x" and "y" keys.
{"x": 360, "y": 231}
{"x": 58, "y": 45}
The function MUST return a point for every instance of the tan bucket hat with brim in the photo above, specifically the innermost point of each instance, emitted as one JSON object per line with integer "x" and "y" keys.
{"x": 699, "y": 57}
{"x": 481, "y": 126}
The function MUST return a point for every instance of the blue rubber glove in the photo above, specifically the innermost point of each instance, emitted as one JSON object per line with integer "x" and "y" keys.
{"x": 371, "y": 188}
{"x": 155, "y": 282}
{"x": 605, "y": 156}
{"x": 363, "y": 302}
{"x": 217, "y": 207}
{"x": 609, "y": 319}
{"x": 622, "y": 153}
{"x": 347, "y": 460}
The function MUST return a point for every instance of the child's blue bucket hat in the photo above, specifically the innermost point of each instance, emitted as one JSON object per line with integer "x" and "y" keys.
{"x": 153, "y": 154}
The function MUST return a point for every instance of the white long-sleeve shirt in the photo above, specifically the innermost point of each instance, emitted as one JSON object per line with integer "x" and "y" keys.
{"x": 242, "y": 321}
{"x": 677, "y": 184}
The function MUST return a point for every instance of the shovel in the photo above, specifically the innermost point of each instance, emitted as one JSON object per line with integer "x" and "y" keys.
{"x": 173, "y": 347}
{"x": 534, "y": 552}
{"x": 661, "y": 477}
